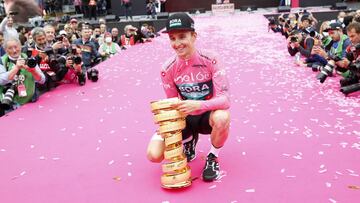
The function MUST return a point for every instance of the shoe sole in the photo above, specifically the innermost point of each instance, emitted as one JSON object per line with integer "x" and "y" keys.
{"x": 211, "y": 179}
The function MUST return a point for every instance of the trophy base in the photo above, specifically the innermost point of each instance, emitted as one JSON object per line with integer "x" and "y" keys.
{"x": 178, "y": 185}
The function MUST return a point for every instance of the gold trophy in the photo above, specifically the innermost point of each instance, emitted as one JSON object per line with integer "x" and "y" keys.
{"x": 177, "y": 173}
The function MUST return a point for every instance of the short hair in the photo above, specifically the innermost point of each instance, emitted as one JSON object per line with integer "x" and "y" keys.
{"x": 49, "y": 26}
{"x": 37, "y": 31}
{"x": 355, "y": 26}
{"x": 7, "y": 40}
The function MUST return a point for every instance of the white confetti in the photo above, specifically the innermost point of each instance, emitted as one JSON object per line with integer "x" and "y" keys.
{"x": 332, "y": 200}
{"x": 23, "y": 173}
{"x": 111, "y": 162}
{"x": 42, "y": 158}
{"x": 129, "y": 163}
{"x": 322, "y": 171}
{"x": 212, "y": 187}
{"x": 250, "y": 190}
{"x": 291, "y": 176}
{"x": 328, "y": 184}
{"x": 126, "y": 155}
{"x": 55, "y": 158}
{"x": 129, "y": 174}
{"x": 2, "y": 150}
{"x": 282, "y": 170}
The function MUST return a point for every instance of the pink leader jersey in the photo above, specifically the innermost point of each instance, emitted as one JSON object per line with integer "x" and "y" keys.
{"x": 199, "y": 78}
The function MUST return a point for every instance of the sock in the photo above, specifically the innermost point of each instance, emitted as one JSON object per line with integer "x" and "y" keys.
{"x": 188, "y": 139}
{"x": 215, "y": 151}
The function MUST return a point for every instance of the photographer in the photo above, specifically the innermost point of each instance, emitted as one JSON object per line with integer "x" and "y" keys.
{"x": 18, "y": 74}
{"x": 337, "y": 52}
{"x": 298, "y": 43}
{"x": 50, "y": 63}
{"x": 74, "y": 67}
{"x": 273, "y": 26}
{"x": 90, "y": 54}
{"x": 351, "y": 80}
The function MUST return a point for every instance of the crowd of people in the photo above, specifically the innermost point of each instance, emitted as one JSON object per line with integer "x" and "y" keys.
{"x": 40, "y": 59}
{"x": 94, "y": 8}
{"x": 332, "y": 50}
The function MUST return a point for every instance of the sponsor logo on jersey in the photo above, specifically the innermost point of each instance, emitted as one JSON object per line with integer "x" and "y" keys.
{"x": 193, "y": 77}
{"x": 196, "y": 91}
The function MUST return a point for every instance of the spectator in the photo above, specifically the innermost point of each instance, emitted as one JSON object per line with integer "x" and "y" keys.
{"x": 127, "y": 4}
{"x": 22, "y": 31}
{"x": 92, "y": 9}
{"x": 128, "y": 39}
{"x": 50, "y": 34}
{"x": 151, "y": 9}
{"x": 7, "y": 28}
{"x": 90, "y": 54}
{"x": 78, "y": 5}
{"x": 108, "y": 48}
{"x": 2, "y": 50}
{"x": 115, "y": 35}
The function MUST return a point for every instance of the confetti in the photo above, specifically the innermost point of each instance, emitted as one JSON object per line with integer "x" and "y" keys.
{"x": 212, "y": 187}
{"x": 250, "y": 190}
{"x": 332, "y": 200}
{"x": 111, "y": 162}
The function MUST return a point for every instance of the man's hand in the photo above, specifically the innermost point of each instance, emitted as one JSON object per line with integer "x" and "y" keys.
{"x": 187, "y": 106}
{"x": 20, "y": 63}
{"x": 57, "y": 45}
{"x": 343, "y": 63}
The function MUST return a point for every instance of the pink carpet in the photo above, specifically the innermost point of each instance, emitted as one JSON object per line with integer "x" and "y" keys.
{"x": 292, "y": 139}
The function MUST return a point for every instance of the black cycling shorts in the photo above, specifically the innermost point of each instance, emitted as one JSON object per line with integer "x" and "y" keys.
{"x": 197, "y": 124}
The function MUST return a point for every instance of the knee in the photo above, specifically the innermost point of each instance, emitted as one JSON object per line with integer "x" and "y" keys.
{"x": 220, "y": 119}
{"x": 154, "y": 155}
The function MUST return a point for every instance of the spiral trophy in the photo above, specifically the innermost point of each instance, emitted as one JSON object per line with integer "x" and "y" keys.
{"x": 177, "y": 173}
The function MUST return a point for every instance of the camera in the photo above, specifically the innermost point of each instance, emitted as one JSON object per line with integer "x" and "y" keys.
{"x": 334, "y": 58}
{"x": 351, "y": 83}
{"x": 350, "y": 89}
{"x": 93, "y": 74}
{"x": 272, "y": 21}
{"x": 31, "y": 61}
{"x": 81, "y": 78}
{"x": 59, "y": 38}
{"x": 294, "y": 39}
{"x": 316, "y": 67}
{"x": 325, "y": 72}
{"x": 7, "y": 100}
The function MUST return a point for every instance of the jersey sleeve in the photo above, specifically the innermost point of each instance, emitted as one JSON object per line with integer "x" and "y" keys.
{"x": 168, "y": 79}
{"x": 220, "y": 99}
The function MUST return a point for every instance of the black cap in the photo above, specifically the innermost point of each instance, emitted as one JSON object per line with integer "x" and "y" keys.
{"x": 334, "y": 26}
{"x": 305, "y": 17}
{"x": 179, "y": 21}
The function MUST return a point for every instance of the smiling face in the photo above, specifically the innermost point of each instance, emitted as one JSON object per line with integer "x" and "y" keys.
{"x": 183, "y": 42}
